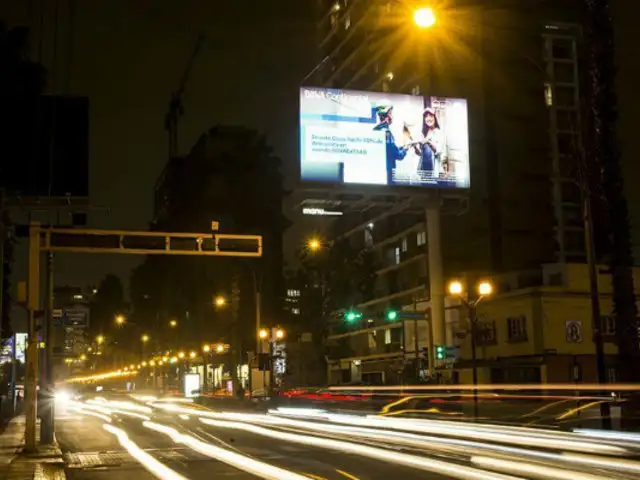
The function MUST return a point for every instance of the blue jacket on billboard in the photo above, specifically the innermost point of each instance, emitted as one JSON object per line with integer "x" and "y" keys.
{"x": 394, "y": 152}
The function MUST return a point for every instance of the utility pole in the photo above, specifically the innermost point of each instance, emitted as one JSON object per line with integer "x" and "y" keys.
{"x": 47, "y": 425}
{"x": 33, "y": 303}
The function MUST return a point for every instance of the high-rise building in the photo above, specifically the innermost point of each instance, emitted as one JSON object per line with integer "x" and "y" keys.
{"x": 519, "y": 68}
{"x": 228, "y": 183}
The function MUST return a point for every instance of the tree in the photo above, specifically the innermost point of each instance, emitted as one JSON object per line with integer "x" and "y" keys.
{"x": 604, "y": 155}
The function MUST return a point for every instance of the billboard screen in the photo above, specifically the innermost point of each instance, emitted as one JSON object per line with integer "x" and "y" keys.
{"x": 372, "y": 138}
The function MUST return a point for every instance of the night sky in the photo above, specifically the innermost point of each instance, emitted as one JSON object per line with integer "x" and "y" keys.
{"x": 128, "y": 55}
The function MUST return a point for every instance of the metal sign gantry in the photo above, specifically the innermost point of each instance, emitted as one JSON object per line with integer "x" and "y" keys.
{"x": 54, "y": 239}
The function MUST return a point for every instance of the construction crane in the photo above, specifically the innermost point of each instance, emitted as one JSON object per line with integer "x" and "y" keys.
{"x": 176, "y": 108}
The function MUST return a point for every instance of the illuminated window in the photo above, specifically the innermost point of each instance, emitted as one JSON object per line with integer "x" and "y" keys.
{"x": 421, "y": 238}
{"x": 387, "y": 336}
{"x": 415, "y": 90}
{"x": 396, "y": 255}
{"x": 548, "y": 94}
{"x": 295, "y": 311}
{"x": 347, "y": 22}
{"x": 405, "y": 245}
{"x": 77, "y": 297}
{"x": 293, "y": 293}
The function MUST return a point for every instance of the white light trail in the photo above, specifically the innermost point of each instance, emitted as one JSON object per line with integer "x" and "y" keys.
{"x": 152, "y": 465}
{"x": 427, "y": 464}
{"x": 532, "y": 470}
{"x": 241, "y": 462}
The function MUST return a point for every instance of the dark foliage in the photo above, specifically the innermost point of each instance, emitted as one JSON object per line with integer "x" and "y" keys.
{"x": 604, "y": 153}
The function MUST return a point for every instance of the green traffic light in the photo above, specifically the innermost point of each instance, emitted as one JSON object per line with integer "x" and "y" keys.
{"x": 351, "y": 316}
{"x": 392, "y": 315}
{"x": 440, "y": 352}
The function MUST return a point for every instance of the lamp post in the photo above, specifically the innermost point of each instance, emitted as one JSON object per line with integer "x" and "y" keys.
{"x": 484, "y": 289}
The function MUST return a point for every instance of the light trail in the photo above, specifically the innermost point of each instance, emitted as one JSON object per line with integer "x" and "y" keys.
{"x": 152, "y": 465}
{"x": 501, "y": 434}
{"x": 426, "y": 464}
{"x": 465, "y": 448}
{"x": 583, "y": 387}
{"x": 532, "y": 470}
{"x": 236, "y": 460}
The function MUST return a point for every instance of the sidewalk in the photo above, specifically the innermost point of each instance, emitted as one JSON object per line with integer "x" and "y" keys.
{"x": 14, "y": 465}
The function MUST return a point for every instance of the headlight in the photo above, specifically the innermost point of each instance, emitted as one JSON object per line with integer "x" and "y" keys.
{"x": 62, "y": 397}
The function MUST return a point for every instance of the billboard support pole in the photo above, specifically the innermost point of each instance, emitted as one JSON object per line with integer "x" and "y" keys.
{"x": 436, "y": 278}
{"x": 33, "y": 299}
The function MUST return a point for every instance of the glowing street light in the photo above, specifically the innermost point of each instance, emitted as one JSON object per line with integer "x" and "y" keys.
{"x": 144, "y": 338}
{"x": 100, "y": 339}
{"x": 206, "y": 348}
{"x": 173, "y": 323}
{"x": 424, "y": 17}
{"x": 220, "y": 301}
{"x": 132, "y": 366}
{"x": 219, "y": 348}
{"x": 144, "y": 364}
{"x": 455, "y": 287}
{"x": 193, "y": 354}
{"x": 83, "y": 357}
{"x": 181, "y": 355}
{"x": 152, "y": 363}
{"x": 484, "y": 288}
{"x": 120, "y": 320}
{"x": 314, "y": 244}
{"x": 263, "y": 333}
{"x": 279, "y": 334}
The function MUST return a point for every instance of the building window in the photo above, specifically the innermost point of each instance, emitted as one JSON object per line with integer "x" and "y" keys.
{"x": 387, "y": 336}
{"x": 347, "y": 22}
{"x": 517, "y": 328}
{"x": 548, "y": 94}
{"x": 405, "y": 244}
{"x": 486, "y": 333}
{"x": 608, "y": 325}
{"x": 415, "y": 90}
{"x": 396, "y": 255}
{"x": 421, "y": 238}
{"x": 295, "y": 311}
{"x": 293, "y": 293}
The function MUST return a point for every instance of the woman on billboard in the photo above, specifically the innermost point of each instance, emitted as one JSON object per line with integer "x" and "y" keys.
{"x": 432, "y": 145}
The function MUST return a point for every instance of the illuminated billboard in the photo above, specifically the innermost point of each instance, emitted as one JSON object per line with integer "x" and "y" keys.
{"x": 372, "y": 138}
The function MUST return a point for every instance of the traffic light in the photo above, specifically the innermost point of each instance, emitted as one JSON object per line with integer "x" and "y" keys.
{"x": 352, "y": 315}
{"x": 441, "y": 352}
{"x": 392, "y": 315}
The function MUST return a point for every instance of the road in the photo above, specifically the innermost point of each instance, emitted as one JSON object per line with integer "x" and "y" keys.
{"x": 119, "y": 437}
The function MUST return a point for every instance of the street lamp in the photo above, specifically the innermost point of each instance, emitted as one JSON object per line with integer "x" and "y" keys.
{"x": 206, "y": 348}
{"x": 173, "y": 323}
{"x": 220, "y": 301}
{"x": 120, "y": 320}
{"x": 424, "y": 17}
{"x": 192, "y": 354}
{"x": 144, "y": 338}
{"x": 279, "y": 334}
{"x": 181, "y": 355}
{"x": 263, "y": 333}
{"x": 484, "y": 289}
{"x": 314, "y": 244}
{"x": 100, "y": 339}
{"x": 219, "y": 348}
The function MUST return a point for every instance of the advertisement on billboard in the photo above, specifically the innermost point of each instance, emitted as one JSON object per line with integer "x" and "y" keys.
{"x": 373, "y": 138}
